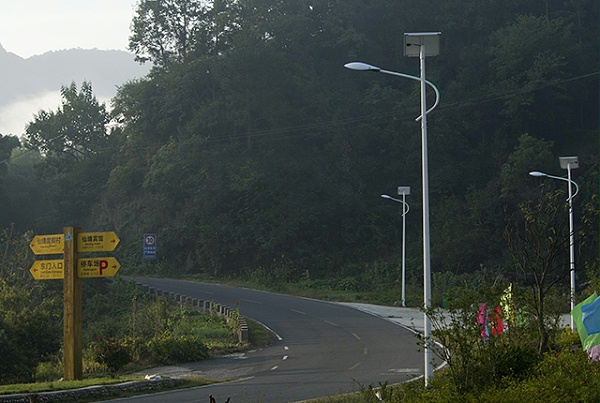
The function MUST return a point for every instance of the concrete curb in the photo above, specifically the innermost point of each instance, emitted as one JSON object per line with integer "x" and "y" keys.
{"x": 93, "y": 392}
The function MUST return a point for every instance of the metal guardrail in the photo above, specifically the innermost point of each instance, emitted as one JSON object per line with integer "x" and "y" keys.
{"x": 232, "y": 317}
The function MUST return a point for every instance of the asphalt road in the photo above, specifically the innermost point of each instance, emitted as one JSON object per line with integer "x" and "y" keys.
{"x": 322, "y": 349}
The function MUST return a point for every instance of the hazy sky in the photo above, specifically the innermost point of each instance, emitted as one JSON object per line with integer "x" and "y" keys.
{"x": 32, "y": 27}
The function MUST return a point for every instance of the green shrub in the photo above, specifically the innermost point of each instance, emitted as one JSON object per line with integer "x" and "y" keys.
{"x": 513, "y": 360}
{"x": 113, "y": 353}
{"x": 169, "y": 350}
{"x": 564, "y": 376}
{"x": 48, "y": 371}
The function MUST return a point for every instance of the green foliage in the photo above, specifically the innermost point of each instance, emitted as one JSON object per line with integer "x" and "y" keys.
{"x": 269, "y": 172}
{"x": 29, "y": 313}
{"x": 167, "y": 349}
{"x": 7, "y": 144}
{"x": 383, "y": 392}
{"x": 538, "y": 242}
{"x": 475, "y": 363}
{"x": 75, "y": 132}
{"x": 561, "y": 376}
{"x": 114, "y": 353}
{"x": 76, "y": 147}
{"x": 250, "y": 147}
{"x": 122, "y": 324}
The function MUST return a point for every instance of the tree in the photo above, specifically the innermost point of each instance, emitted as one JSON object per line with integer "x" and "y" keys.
{"x": 167, "y": 31}
{"x": 529, "y": 154}
{"x": 531, "y": 73}
{"x": 539, "y": 243}
{"x": 7, "y": 144}
{"x": 77, "y": 153}
{"x": 21, "y": 190}
{"x": 75, "y": 132}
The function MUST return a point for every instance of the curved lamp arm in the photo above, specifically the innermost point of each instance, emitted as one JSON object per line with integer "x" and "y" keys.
{"x": 360, "y": 66}
{"x": 406, "y": 208}
{"x": 540, "y": 174}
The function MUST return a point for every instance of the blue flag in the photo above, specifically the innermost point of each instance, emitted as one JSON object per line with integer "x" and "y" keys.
{"x": 587, "y": 341}
{"x": 591, "y": 317}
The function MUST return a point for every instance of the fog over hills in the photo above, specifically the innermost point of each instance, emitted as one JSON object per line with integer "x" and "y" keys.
{"x": 33, "y": 84}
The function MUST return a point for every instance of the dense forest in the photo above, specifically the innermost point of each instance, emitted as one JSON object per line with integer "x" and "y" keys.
{"x": 249, "y": 147}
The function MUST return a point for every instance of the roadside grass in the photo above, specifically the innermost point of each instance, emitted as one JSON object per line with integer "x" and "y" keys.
{"x": 40, "y": 387}
{"x": 61, "y": 385}
{"x": 258, "y": 337}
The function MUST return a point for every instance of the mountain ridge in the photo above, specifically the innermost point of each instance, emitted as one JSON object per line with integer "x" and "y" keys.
{"x": 105, "y": 69}
{"x": 28, "y": 85}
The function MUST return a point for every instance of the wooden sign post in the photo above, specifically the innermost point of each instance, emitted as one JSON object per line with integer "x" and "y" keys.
{"x": 71, "y": 269}
{"x": 72, "y": 359}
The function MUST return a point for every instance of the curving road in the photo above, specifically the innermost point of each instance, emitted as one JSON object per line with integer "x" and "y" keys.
{"x": 323, "y": 349}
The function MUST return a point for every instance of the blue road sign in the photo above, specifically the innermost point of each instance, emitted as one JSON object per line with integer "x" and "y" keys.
{"x": 149, "y": 246}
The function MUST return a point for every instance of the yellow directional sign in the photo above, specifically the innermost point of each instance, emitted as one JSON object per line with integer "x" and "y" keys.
{"x": 47, "y": 244}
{"x": 48, "y": 269}
{"x": 97, "y": 241}
{"x": 97, "y": 267}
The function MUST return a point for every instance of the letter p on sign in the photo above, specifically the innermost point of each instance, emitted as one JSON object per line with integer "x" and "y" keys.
{"x": 103, "y": 265}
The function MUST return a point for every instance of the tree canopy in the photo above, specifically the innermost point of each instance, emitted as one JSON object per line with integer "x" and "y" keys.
{"x": 250, "y": 146}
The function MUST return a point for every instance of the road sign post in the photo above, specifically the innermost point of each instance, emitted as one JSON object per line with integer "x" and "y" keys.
{"x": 72, "y": 270}
{"x": 72, "y": 286}
{"x": 149, "y": 246}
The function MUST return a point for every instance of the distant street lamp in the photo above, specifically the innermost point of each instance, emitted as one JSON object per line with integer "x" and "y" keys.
{"x": 403, "y": 190}
{"x": 419, "y": 44}
{"x": 568, "y": 163}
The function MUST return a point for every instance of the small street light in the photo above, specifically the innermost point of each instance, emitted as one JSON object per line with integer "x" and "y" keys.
{"x": 568, "y": 163}
{"x": 402, "y": 190}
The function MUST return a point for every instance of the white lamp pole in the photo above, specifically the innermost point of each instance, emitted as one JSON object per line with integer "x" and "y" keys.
{"x": 420, "y": 44}
{"x": 403, "y": 190}
{"x": 568, "y": 163}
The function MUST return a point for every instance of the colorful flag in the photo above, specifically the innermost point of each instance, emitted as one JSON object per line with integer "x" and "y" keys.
{"x": 591, "y": 317}
{"x": 578, "y": 317}
{"x": 587, "y": 340}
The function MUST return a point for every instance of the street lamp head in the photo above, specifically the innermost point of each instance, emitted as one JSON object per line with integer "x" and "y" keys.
{"x": 537, "y": 173}
{"x": 386, "y": 196}
{"x": 360, "y": 66}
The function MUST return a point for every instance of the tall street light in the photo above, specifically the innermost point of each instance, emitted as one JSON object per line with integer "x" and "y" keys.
{"x": 420, "y": 44}
{"x": 568, "y": 163}
{"x": 402, "y": 190}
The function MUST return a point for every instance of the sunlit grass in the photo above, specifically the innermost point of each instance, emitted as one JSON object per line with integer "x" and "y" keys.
{"x": 39, "y": 387}
{"x": 62, "y": 385}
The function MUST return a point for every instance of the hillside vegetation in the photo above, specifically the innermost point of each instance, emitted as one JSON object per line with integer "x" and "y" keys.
{"x": 255, "y": 156}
